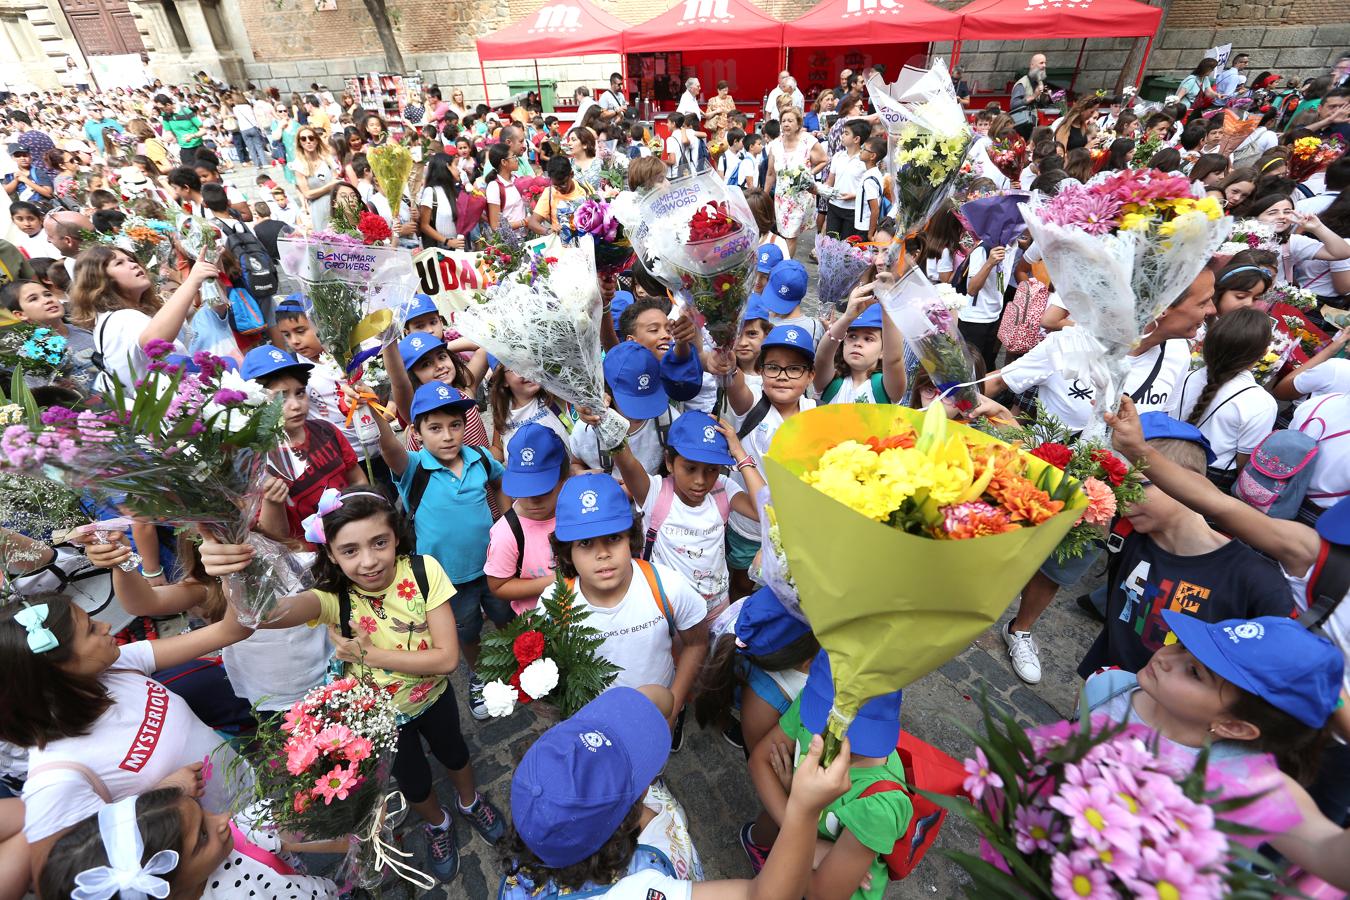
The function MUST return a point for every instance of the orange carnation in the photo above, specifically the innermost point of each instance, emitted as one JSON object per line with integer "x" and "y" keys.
{"x": 1024, "y": 501}
{"x": 904, "y": 440}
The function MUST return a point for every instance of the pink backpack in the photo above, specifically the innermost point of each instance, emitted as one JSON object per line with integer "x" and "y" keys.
{"x": 661, "y": 511}
{"x": 1020, "y": 329}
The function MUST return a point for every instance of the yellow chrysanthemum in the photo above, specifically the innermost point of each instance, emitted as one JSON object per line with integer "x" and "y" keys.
{"x": 1134, "y": 222}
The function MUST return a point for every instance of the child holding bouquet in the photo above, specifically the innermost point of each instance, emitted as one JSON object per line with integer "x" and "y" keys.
{"x": 519, "y": 564}
{"x": 389, "y": 615}
{"x": 861, "y": 357}
{"x": 633, "y": 381}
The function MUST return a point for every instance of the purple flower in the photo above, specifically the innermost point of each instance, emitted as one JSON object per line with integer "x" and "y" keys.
{"x": 157, "y": 349}
{"x": 980, "y": 777}
{"x": 197, "y": 427}
{"x": 590, "y": 217}
{"x": 226, "y": 396}
{"x": 56, "y": 415}
{"x": 208, "y": 364}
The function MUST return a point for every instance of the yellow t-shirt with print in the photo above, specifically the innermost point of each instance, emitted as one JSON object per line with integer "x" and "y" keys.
{"x": 398, "y": 621}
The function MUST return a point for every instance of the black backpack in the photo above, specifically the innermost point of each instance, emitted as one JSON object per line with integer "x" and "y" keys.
{"x": 260, "y": 273}
{"x": 961, "y": 277}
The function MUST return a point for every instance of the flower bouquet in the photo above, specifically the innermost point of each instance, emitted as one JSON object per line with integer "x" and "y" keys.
{"x": 613, "y": 250}
{"x": 842, "y": 265}
{"x": 1109, "y": 483}
{"x": 1234, "y": 131}
{"x": 547, "y": 654}
{"x": 187, "y": 448}
{"x": 698, "y": 236}
{"x": 1307, "y": 337}
{"x": 1248, "y": 234}
{"x": 1008, "y": 153}
{"x": 321, "y": 773}
{"x": 996, "y": 220}
{"x": 797, "y": 181}
{"x": 955, "y": 514}
{"x": 926, "y": 318}
{"x": 39, "y": 351}
{"x": 391, "y": 163}
{"x": 1144, "y": 150}
{"x": 1280, "y": 351}
{"x": 1311, "y": 155}
{"x": 929, "y": 139}
{"x": 1120, "y": 251}
{"x": 1301, "y": 299}
{"x": 352, "y": 291}
{"x": 149, "y": 240}
{"x": 201, "y": 240}
{"x": 546, "y": 328}
{"x": 1097, "y": 809}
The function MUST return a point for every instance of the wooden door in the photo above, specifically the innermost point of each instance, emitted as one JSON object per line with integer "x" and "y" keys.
{"x": 103, "y": 27}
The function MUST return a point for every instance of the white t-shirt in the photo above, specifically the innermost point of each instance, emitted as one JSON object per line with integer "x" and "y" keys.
{"x": 117, "y": 335}
{"x": 1331, "y": 476}
{"x": 513, "y": 209}
{"x": 756, "y": 445}
{"x": 534, "y": 411}
{"x": 445, "y": 210}
{"x": 650, "y": 884}
{"x": 38, "y": 246}
{"x": 277, "y": 666}
{"x": 742, "y": 169}
{"x": 937, "y": 266}
{"x": 1297, "y": 254}
{"x": 1315, "y": 275}
{"x": 1317, "y": 203}
{"x": 1329, "y": 377}
{"x": 243, "y": 115}
{"x": 1240, "y": 414}
{"x": 988, "y": 302}
{"x": 692, "y": 541}
{"x": 869, "y": 189}
{"x": 645, "y": 443}
{"x": 583, "y": 105}
{"x": 634, "y": 634}
{"x": 290, "y": 213}
{"x": 147, "y": 734}
{"x": 848, "y": 172}
{"x": 689, "y": 104}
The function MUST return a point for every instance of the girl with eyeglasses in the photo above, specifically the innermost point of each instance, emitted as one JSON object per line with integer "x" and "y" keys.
{"x": 316, "y": 173}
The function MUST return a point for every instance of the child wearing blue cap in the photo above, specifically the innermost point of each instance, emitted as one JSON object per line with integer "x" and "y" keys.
{"x": 454, "y": 482}
{"x": 519, "y": 563}
{"x": 1172, "y": 560}
{"x": 638, "y": 607}
{"x": 686, "y": 511}
{"x": 423, "y": 315}
{"x": 580, "y": 827}
{"x": 425, "y": 359}
{"x": 770, "y": 255}
{"x": 783, "y": 297}
{"x": 860, "y": 828}
{"x": 674, "y": 343}
{"x": 1244, "y": 687}
{"x": 328, "y": 457}
{"x": 633, "y": 381}
{"x": 786, "y": 364}
{"x": 861, "y": 358}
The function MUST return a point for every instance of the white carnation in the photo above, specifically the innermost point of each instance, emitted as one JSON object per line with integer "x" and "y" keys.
{"x": 539, "y": 677}
{"x": 499, "y": 697}
{"x": 255, "y": 394}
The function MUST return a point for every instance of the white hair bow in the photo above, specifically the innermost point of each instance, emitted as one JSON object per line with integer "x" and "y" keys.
{"x": 124, "y": 876}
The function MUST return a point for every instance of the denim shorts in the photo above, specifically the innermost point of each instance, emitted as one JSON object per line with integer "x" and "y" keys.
{"x": 471, "y": 600}
{"x": 1068, "y": 572}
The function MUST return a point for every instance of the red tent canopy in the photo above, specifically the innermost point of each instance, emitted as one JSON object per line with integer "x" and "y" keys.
{"x": 1012, "y": 20}
{"x": 559, "y": 28}
{"x": 706, "y": 25}
{"x": 847, "y": 22}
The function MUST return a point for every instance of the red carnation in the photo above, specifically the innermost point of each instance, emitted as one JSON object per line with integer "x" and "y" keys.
{"x": 528, "y": 647}
{"x": 1056, "y": 455}
{"x": 1111, "y": 465}
{"x": 515, "y": 683}
{"x": 373, "y": 228}
{"x": 710, "y": 221}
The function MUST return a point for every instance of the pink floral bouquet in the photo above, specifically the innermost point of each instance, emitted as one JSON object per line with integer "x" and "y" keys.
{"x": 613, "y": 250}
{"x": 1100, "y": 810}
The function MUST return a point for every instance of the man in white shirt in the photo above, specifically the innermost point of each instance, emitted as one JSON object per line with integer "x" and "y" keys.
{"x": 613, "y": 102}
{"x": 689, "y": 100}
{"x": 1335, "y": 179}
{"x": 584, "y": 102}
{"x": 787, "y": 85}
{"x": 1230, "y": 80}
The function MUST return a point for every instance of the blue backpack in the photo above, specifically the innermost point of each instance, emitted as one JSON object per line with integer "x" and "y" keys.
{"x": 517, "y": 887}
{"x": 246, "y": 316}
{"x": 1275, "y": 479}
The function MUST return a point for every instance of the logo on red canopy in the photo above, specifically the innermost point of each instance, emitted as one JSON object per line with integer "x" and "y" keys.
{"x": 698, "y": 11}
{"x": 872, "y": 8}
{"x": 557, "y": 19}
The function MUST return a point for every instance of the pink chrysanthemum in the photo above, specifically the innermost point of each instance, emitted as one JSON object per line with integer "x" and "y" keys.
{"x": 1037, "y": 828}
{"x": 1078, "y": 876}
{"x": 981, "y": 776}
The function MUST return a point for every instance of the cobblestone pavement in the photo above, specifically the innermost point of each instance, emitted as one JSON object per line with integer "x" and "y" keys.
{"x": 709, "y": 777}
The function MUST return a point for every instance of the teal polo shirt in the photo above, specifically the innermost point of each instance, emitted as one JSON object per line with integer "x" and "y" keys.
{"x": 453, "y": 517}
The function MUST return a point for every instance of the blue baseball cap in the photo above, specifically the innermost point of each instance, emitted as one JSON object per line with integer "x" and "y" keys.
{"x": 590, "y": 506}
{"x": 634, "y": 376}
{"x": 765, "y": 626}
{"x": 694, "y": 436}
{"x": 621, "y": 301}
{"x": 1159, "y": 425}
{"x": 794, "y": 336}
{"x": 770, "y": 255}
{"x": 293, "y": 304}
{"x": 755, "y": 308}
{"x": 436, "y": 395}
{"x": 576, "y": 784}
{"x": 417, "y": 345}
{"x": 266, "y": 360}
{"x": 534, "y": 458}
{"x": 1334, "y": 524}
{"x": 1273, "y": 657}
{"x": 875, "y": 730}
{"x": 419, "y": 305}
{"x": 868, "y": 318}
{"x": 786, "y": 287}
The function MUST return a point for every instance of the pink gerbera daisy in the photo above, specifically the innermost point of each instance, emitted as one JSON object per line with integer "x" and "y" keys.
{"x": 1095, "y": 817}
{"x": 981, "y": 776}
{"x": 1077, "y": 876}
{"x": 337, "y": 784}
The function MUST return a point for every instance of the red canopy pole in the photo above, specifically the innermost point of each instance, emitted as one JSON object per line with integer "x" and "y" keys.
{"x": 482, "y": 71}
{"x": 956, "y": 53}
{"x": 1077, "y": 65}
{"x": 1148, "y": 48}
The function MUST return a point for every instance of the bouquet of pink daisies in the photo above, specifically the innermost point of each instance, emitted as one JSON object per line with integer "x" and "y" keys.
{"x": 1099, "y": 810}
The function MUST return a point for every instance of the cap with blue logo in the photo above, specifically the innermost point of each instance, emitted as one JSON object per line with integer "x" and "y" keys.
{"x": 417, "y": 345}
{"x": 634, "y": 376}
{"x": 534, "y": 458}
{"x": 765, "y": 626}
{"x": 786, "y": 287}
{"x": 437, "y": 395}
{"x": 875, "y": 730}
{"x": 575, "y": 785}
{"x": 770, "y": 255}
{"x": 694, "y": 436}
{"x": 266, "y": 360}
{"x": 591, "y": 506}
{"x": 419, "y": 305}
{"x": 1159, "y": 425}
{"x": 794, "y": 336}
{"x": 1273, "y": 657}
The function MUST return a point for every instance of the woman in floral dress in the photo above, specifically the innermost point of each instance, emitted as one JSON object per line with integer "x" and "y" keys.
{"x": 792, "y": 156}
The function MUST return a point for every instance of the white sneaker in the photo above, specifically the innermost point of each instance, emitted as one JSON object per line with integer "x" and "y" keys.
{"x": 1025, "y": 659}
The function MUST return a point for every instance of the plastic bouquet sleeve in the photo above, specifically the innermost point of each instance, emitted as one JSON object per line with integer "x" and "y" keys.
{"x": 932, "y": 334}
{"x": 352, "y": 292}
{"x": 842, "y": 265}
{"x": 773, "y": 566}
{"x": 870, "y": 589}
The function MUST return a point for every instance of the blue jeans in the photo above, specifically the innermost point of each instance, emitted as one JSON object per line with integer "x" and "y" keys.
{"x": 257, "y": 146}
{"x": 471, "y": 600}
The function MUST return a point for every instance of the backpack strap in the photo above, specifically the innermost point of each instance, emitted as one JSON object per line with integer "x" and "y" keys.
{"x": 421, "y": 478}
{"x": 665, "y": 498}
{"x": 658, "y": 594}
{"x": 345, "y": 610}
{"x": 518, "y": 532}
{"x": 719, "y": 495}
{"x": 754, "y": 417}
{"x": 831, "y": 390}
{"x": 606, "y": 461}
{"x": 418, "y": 563}
{"x": 1328, "y": 583}
{"x": 84, "y": 771}
{"x": 1147, "y": 383}
{"x": 1227, "y": 400}
{"x": 663, "y": 430}
{"x": 882, "y": 787}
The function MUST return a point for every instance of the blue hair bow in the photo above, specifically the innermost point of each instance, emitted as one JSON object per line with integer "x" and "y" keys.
{"x": 33, "y": 619}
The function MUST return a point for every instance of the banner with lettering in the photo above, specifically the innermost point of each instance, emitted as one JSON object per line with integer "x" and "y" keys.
{"x": 450, "y": 278}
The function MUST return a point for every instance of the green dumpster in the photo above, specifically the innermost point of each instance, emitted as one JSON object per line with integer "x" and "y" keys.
{"x": 548, "y": 91}
{"x": 1158, "y": 87}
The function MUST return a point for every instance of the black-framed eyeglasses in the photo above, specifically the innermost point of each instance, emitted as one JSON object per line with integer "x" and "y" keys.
{"x": 773, "y": 370}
